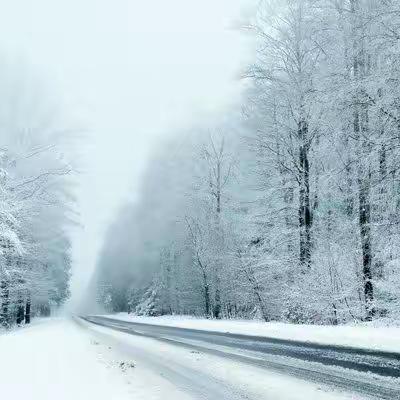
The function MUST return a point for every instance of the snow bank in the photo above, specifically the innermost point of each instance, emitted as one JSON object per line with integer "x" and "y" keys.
{"x": 365, "y": 336}
{"x": 54, "y": 360}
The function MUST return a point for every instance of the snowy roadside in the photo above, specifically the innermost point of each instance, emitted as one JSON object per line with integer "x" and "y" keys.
{"x": 365, "y": 336}
{"x": 57, "y": 359}
{"x": 17, "y": 329}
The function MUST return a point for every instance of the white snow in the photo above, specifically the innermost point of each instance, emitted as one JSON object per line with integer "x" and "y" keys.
{"x": 53, "y": 360}
{"x": 57, "y": 359}
{"x": 364, "y": 336}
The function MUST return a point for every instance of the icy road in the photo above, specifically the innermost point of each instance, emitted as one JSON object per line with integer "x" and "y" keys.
{"x": 116, "y": 360}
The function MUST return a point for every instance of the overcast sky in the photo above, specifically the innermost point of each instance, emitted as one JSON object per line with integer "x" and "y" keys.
{"x": 129, "y": 71}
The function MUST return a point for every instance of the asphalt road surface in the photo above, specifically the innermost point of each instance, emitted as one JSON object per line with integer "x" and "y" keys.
{"x": 374, "y": 374}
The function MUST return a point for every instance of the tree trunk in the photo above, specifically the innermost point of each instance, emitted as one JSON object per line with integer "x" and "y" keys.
{"x": 20, "y": 311}
{"x": 260, "y": 301}
{"x": 207, "y": 302}
{"x": 305, "y": 215}
{"x": 20, "y": 302}
{"x": 361, "y": 133}
{"x": 365, "y": 232}
{"x": 28, "y": 310}
{"x": 207, "y": 299}
{"x": 5, "y": 302}
{"x": 335, "y": 317}
{"x": 217, "y": 304}
{"x": 217, "y": 299}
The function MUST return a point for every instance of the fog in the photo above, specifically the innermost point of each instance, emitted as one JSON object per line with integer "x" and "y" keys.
{"x": 179, "y": 175}
{"x": 127, "y": 72}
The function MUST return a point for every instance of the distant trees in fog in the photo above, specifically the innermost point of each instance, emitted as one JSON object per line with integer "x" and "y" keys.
{"x": 290, "y": 209}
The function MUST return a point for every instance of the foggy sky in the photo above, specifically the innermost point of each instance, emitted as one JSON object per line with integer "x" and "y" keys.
{"x": 127, "y": 71}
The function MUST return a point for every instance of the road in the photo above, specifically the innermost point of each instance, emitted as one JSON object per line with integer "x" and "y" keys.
{"x": 370, "y": 373}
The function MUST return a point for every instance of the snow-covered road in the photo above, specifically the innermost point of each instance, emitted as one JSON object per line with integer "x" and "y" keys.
{"x": 65, "y": 359}
{"x": 310, "y": 362}
{"x": 381, "y": 363}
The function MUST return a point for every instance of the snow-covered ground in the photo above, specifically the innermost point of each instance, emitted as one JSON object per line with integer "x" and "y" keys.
{"x": 63, "y": 359}
{"x": 54, "y": 360}
{"x": 365, "y": 336}
{"x": 58, "y": 359}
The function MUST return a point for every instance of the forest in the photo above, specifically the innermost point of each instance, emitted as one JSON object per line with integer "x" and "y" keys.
{"x": 36, "y": 198}
{"x": 285, "y": 208}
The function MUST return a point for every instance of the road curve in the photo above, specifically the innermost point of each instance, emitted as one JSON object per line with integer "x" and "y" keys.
{"x": 309, "y": 361}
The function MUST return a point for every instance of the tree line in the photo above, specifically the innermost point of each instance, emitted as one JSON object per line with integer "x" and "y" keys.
{"x": 286, "y": 208}
{"x": 36, "y": 198}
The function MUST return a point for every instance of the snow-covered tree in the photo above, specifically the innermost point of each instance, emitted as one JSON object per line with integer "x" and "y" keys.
{"x": 290, "y": 209}
{"x": 36, "y": 198}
